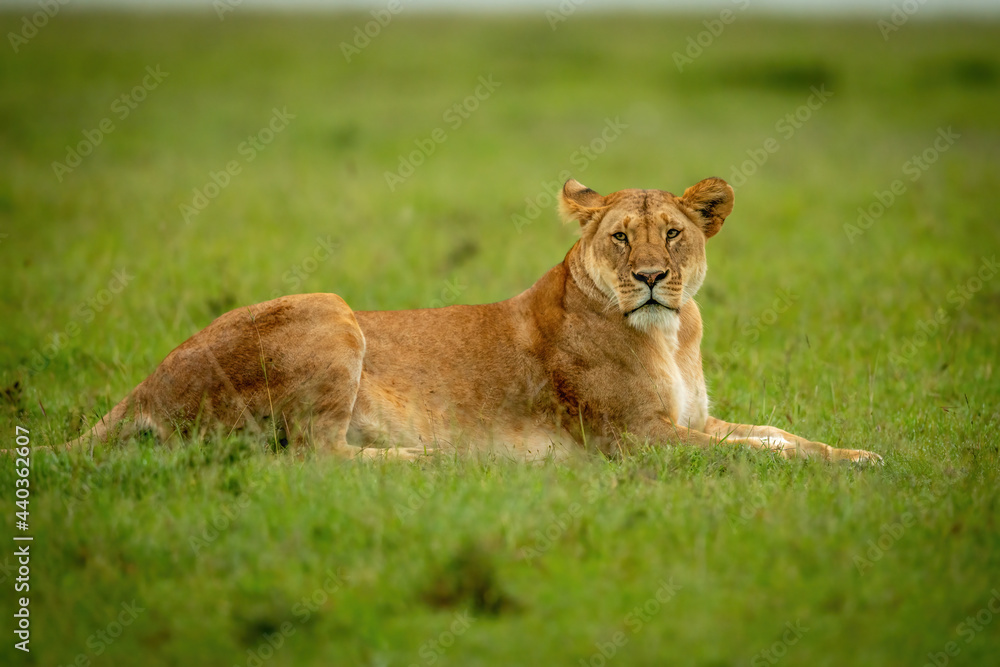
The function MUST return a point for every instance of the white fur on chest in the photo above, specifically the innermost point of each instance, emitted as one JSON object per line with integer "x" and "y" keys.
{"x": 683, "y": 395}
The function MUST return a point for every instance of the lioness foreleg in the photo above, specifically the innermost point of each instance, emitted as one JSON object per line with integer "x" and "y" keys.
{"x": 758, "y": 437}
{"x": 788, "y": 444}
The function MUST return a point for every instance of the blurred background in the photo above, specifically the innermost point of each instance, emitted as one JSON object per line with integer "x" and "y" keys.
{"x": 164, "y": 162}
{"x": 821, "y": 7}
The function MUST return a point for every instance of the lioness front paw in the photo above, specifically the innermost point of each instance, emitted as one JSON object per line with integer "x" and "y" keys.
{"x": 805, "y": 448}
{"x": 834, "y": 454}
{"x": 856, "y": 455}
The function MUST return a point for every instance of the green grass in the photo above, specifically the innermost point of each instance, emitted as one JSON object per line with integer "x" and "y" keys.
{"x": 223, "y": 545}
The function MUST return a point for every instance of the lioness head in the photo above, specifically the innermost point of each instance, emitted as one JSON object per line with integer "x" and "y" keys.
{"x": 645, "y": 249}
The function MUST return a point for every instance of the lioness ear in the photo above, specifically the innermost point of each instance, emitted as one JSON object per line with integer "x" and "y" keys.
{"x": 578, "y": 202}
{"x": 712, "y": 199}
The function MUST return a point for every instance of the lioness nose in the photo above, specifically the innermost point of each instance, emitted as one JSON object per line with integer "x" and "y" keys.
{"x": 650, "y": 277}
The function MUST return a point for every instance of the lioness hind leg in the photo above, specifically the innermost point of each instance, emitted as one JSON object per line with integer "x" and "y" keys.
{"x": 787, "y": 444}
{"x": 329, "y": 435}
{"x": 319, "y": 410}
{"x": 392, "y": 453}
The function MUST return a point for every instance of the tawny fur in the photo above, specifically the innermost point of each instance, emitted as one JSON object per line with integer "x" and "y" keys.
{"x": 603, "y": 352}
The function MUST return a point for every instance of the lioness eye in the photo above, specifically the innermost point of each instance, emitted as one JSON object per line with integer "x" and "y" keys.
{"x": 673, "y": 233}
{"x": 620, "y": 236}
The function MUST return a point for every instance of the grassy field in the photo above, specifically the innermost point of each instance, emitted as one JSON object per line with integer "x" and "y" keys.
{"x": 207, "y": 164}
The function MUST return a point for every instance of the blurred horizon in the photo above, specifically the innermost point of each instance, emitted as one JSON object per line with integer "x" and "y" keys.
{"x": 864, "y": 8}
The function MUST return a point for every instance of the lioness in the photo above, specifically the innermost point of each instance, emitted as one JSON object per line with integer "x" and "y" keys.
{"x": 602, "y": 352}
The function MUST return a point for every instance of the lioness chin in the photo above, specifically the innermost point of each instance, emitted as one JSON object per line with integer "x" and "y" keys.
{"x": 603, "y": 351}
